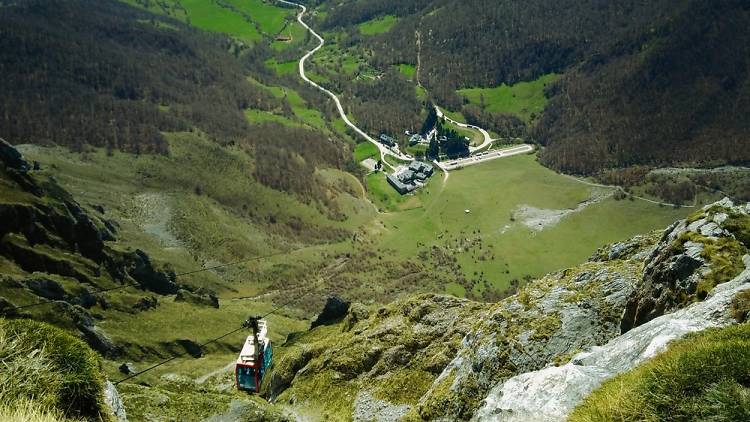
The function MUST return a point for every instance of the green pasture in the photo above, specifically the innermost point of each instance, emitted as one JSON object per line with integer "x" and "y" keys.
{"x": 523, "y": 99}
{"x": 378, "y": 26}
{"x": 492, "y": 192}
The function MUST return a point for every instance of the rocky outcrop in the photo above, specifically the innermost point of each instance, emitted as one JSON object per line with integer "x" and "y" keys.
{"x": 386, "y": 356}
{"x": 550, "y": 394}
{"x": 138, "y": 266}
{"x": 11, "y": 158}
{"x": 548, "y": 321}
{"x": 334, "y": 310}
{"x": 200, "y": 297}
{"x": 114, "y": 402}
{"x": 53, "y": 234}
{"x": 692, "y": 257}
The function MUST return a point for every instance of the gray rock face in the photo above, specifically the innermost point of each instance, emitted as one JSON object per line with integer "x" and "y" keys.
{"x": 550, "y": 394}
{"x": 548, "y": 321}
{"x": 114, "y": 402}
{"x": 683, "y": 258}
{"x": 11, "y": 158}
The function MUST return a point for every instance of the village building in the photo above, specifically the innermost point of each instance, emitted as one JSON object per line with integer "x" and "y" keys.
{"x": 416, "y": 139}
{"x": 387, "y": 140}
{"x": 411, "y": 178}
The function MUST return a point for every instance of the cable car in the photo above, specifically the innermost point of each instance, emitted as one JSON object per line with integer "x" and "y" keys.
{"x": 256, "y": 356}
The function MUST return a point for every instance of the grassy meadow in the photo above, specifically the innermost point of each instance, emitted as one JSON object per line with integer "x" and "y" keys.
{"x": 489, "y": 246}
{"x": 378, "y": 26}
{"x": 365, "y": 150}
{"x": 523, "y": 99}
{"x": 245, "y": 20}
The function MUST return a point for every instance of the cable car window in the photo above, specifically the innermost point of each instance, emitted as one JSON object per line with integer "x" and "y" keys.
{"x": 246, "y": 378}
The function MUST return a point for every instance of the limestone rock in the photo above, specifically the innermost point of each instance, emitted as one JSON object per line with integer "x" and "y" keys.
{"x": 550, "y": 394}
{"x": 546, "y": 322}
{"x": 367, "y": 409}
{"x": 114, "y": 402}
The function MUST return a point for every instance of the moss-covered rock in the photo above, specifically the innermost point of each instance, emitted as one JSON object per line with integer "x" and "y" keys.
{"x": 547, "y": 322}
{"x": 692, "y": 257}
{"x": 375, "y": 360}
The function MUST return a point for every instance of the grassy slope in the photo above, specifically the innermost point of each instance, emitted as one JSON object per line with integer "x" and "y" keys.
{"x": 270, "y": 19}
{"x": 522, "y": 99}
{"x": 378, "y": 26}
{"x": 210, "y": 16}
{"x": 701, "y": 377}
{"x": 365, "y": 150}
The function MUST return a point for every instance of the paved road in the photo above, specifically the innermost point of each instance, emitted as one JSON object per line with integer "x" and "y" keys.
{"x": 384, "y": 150}
{"x": 484, "y": 156}
{"x": 487, "y": 138}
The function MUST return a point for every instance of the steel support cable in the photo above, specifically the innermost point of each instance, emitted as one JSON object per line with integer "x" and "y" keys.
{"x": 274, "y": 310}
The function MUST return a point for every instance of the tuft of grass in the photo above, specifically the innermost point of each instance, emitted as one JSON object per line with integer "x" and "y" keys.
{"x": 29, "y": 411}
{"x": 51, "y": 368}
{"x": 704, "y": 376}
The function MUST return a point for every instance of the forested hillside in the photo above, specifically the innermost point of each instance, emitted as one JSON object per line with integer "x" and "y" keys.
{"x": 106, "y": 74}
{"x": 654, "y": 83}
{"x": 679, "y": 94}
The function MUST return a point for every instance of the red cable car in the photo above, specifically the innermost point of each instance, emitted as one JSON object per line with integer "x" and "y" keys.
{"x": 256, "y": 356}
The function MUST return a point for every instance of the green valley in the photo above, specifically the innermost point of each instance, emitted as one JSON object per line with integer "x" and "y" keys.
{"x": 429, "y": 208}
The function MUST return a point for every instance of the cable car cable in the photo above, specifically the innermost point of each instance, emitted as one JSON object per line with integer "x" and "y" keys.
{"x": 177, "y": 356}
{"x": 274, "y": 310}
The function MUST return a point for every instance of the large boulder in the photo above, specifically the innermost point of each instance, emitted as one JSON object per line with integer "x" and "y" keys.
{"x": 334, "y": 310}
{"x": 46, "y": 288}
{"x": 200, "y": 297}
{"x": 550, "y": 394}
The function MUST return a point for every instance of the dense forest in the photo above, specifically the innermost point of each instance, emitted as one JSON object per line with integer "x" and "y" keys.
{"x": 679, "y": 95}
{"x": 655, "y": 83}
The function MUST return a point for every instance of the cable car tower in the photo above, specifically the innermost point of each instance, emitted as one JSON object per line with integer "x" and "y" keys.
{"x": 256, "y": 356}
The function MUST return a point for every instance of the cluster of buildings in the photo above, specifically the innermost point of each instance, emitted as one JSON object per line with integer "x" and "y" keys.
{"x": 410, "y": 178}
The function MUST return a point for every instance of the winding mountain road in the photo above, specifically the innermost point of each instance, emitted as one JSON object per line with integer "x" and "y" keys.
{"x": 384, "y": 150}
{"x": 487, "y": 138}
